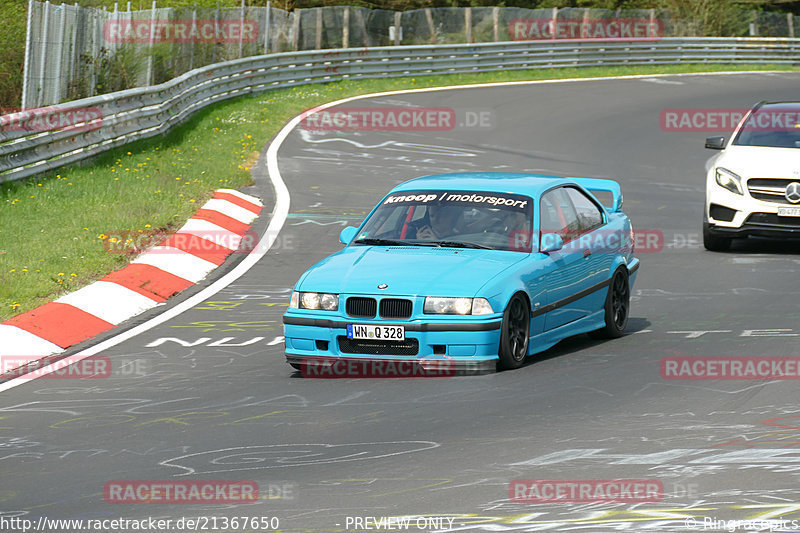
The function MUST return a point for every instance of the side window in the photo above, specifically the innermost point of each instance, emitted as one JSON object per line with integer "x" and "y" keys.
{"x": 558, "y": 215}
{"x": 589, "y": 215}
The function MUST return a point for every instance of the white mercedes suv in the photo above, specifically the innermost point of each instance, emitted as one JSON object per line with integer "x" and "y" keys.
{"x": 753, "y": 184}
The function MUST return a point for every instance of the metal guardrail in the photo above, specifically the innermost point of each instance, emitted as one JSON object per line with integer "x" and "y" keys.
{"x": 136, "y": 114}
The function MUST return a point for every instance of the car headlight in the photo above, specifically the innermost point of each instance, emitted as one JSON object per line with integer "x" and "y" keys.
{"x": 728, "y": 180}
{"x": 314, "y": 300}
{"x": 438, "y": 305}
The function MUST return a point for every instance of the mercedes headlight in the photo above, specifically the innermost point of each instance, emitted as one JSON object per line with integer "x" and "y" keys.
{"x": 728, "y": 180}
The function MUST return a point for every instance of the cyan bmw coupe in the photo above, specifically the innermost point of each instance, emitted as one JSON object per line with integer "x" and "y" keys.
{"x": 472, "y": 270}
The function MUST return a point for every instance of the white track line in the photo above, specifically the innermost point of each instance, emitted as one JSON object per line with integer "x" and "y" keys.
{"x": 281, "y": 209}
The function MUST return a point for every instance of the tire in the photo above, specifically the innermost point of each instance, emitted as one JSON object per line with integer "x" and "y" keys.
{"x": 714, "y": 243}
{"x": 514, "y": 333}
{"x": 617, "y": 307}
{"x": 296, "y": 366}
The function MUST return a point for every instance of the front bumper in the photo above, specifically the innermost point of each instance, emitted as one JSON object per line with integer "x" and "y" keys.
{"x": 468, "y": 346}
{"x": 750, "y": 216}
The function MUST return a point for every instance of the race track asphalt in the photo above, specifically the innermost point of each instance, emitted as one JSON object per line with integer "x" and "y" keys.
{"x": 208, "y": 395}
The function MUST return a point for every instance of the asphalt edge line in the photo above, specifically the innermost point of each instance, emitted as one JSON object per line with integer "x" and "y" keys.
{"x": 282, "y": 202}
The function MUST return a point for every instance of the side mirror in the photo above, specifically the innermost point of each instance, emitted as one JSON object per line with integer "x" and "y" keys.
{"x": 551, "y": 242}
{"x": 715, "y": 143}
{"x": 347, "y": 234}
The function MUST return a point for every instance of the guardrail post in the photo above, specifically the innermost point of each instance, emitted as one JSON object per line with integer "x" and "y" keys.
{"x": 150, "y": 44}
{"x": 318, "y": 39}
{"x": 216, "y": 25}
{"x": 43, "y": 63}
{"x": 790, "y": 24}
{"x": 468, "y": 24}
{"x": 191, "y": 43}
{"x": 295, "y": 31}
{"x": 398, "y": 28}
{"x": 363, "y": 25}
{"x": 554, "y": 23}
{"x": 26, "y": 68}
{"x": 754, "y": 25}
{"x": 652, "y": 27}
{"x": 60, "y": 52}
{"x": 241, "y": 30}
{"x": 585, "y": 25}
{"x": 431, "y": 29}
{"x": 346, "y": 28}
{"x": 266, "y": 27}
{"x": 496, "y": 23}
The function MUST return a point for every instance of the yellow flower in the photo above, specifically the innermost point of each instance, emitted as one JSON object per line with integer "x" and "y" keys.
{"x": 60, "y": 273}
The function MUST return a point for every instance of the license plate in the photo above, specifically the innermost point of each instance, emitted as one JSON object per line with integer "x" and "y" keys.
{"x": 789, "y": 211}
{"x": 370, "y": 331}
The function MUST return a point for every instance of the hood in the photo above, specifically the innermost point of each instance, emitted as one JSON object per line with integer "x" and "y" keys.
{"x": 761, "y": 162}
{"x": 407, "y": 270}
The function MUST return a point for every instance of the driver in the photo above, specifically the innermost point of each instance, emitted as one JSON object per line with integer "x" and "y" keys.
{"x": 439, "y": 222}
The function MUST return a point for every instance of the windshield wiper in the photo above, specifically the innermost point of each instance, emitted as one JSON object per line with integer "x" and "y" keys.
{"x": 457, "y": 244}
{"x": 391, "y": 242}
{"x": 399, "y": 242}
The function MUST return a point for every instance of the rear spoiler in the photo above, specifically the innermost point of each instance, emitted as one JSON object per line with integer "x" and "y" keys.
{"x": 603, "y": 185}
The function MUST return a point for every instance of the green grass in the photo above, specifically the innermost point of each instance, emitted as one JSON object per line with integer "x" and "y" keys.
{"x": 54, "y": 229}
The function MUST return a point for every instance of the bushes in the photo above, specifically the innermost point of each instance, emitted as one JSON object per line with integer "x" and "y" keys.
{"x": 12, "y": 43}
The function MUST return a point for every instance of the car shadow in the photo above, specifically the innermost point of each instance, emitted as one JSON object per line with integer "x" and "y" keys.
{"x": 578, "y": 342}
{"x": 764, "y": 245}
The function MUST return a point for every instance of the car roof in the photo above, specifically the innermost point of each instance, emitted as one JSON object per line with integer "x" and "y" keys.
{"x": 507, "y": 182}
{"x": 785, "y": 105}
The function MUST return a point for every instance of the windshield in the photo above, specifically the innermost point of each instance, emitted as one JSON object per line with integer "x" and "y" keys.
{"x": 468, "y": 219}
{"x": 773, "y": 125}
